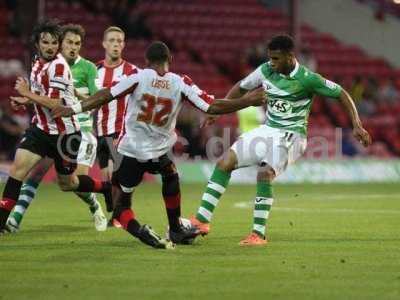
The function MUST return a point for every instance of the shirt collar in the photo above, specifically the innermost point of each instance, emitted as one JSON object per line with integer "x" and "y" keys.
{"x": 77, "y": 59}
{"x": 296, "y": 68}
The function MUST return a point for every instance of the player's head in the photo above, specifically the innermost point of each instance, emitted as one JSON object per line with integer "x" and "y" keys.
{"x": 158, "y": 53}
{"x": 46, "y": 37}
{"x": 73, "y": 36}
{"x": 114, "y": 42}
{"x": 281, "y": 53}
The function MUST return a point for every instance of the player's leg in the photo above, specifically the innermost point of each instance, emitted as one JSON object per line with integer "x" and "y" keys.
{"x": 286, "y": 148}
{"x": 216, "y": 186}
{"x": 86, "y": 158}
{"x": 248, "y": 150}
{"x": 262, "y": 206}
{"x": 127, "y": 177}
{"x": 104, "y": 160}
{"x": 23, "y": 163}
{"x": 172, "y": 199}
{"x": 65, "y": 152}
{"x": 27, "y": 194}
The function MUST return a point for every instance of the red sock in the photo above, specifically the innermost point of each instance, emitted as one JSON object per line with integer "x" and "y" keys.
{"x": 173, "y": 206}
{"x": 125, "y": 217}
{"x": 7, "y": 204}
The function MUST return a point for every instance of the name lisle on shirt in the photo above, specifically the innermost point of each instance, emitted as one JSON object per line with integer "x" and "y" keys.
{"x": 160, "y": 84}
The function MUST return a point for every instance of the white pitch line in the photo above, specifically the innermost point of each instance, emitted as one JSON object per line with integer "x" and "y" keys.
{"x": 322, "y": 210}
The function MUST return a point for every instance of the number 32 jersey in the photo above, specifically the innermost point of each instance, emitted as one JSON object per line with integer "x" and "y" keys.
{"x": 152, "y": 108}
{"x": 290, "y": 97}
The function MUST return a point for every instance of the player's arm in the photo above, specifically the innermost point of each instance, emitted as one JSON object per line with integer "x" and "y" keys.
{"x": 22, "y": 87}
{"x": 256, "y": 97}
{"x": 236, "y": 91}
{"x": 207, "y": 104}
{"x": 327, "y": 88}
{"x": 125, "y": 86}
{"x": 358, "y": 130}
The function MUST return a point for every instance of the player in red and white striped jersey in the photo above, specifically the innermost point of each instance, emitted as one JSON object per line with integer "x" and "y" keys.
{"x": 57, "y": 138}
{"x": 53, "y": 79}
{"x": 155, "y": 99}
{"x": 109, "y": 117}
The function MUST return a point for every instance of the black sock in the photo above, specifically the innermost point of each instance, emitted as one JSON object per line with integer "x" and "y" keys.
{"x": 88, "y": 185}
{"x": 173, "y": 218}
{"x": 133, "y": 227}
{"x": 9, "y": 199}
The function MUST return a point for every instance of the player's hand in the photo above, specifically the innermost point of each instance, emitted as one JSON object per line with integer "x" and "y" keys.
{"x": 362, "y": 136}
{"x": 18, "y": 103}
{"x": 209, "y": 121}
{"x": 62, "y": 111}
{"x": 256, "y": 97}
{"x": 22, "y": 86}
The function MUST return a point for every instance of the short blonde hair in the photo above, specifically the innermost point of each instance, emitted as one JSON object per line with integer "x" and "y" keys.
{"x": 113, "y": 29}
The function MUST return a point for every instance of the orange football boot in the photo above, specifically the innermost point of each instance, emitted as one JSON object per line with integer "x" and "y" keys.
{"x": 253, "y": 240}
{"x": 204, "y": 228}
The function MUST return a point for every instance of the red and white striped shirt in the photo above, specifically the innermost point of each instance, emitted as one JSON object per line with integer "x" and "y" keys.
{"x": 53, "y": 79}
{"x": 109, "y": 117}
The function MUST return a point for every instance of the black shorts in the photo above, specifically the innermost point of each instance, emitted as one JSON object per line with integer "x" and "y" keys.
{"x": 131, "y": 170}
{"x": 106, "y": 149}
{"x": 63, "y": 149}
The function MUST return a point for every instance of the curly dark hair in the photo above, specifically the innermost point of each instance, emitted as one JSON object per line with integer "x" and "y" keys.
{"x": 48, "y": 26}
{"x": 281, "y": 42}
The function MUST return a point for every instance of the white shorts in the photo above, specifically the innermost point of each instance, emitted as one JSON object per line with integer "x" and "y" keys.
{"x": 275, "y": 147}
{"x": 87, "y": 149}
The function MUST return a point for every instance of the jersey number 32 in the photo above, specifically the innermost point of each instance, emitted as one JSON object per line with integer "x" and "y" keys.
{"x": 155, "y": 111}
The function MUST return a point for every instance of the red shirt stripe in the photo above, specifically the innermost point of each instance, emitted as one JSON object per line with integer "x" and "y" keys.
{"x": 105, "y": 110}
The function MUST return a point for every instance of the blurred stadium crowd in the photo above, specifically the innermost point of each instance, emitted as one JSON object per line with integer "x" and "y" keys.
{"x": 216, "y": 43}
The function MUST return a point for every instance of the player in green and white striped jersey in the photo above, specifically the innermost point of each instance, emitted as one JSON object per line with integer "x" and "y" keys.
{"x": 290, "y": 88}
{"x": 84, "y": 74}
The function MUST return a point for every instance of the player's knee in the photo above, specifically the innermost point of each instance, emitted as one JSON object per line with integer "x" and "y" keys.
{"x": 65, "y": 186}
{"x": 228, "y": 162}
{"x": 67, "y": 183}
{"x": 170, "y": 184}
{"x": 266, "y": 173}
{"x": 225, "y": 165}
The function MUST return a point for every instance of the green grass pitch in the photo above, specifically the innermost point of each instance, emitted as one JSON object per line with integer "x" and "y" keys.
{"x": 326, "y": 242}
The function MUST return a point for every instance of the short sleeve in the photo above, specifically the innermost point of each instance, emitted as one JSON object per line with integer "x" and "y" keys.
{"x": 197, "y": 97}
{"x": 253, "y": 80}
{"x": 126, "y": 86}
{"x": 320, "y": 86}
{"x": 60, "y": 78}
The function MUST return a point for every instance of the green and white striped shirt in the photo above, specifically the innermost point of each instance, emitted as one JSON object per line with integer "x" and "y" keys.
{"x": 290, "y": 96}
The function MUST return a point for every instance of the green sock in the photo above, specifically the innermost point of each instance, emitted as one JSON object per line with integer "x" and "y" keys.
{"x": 90, "y": 199}
{"x": 215, "y": 188}
{"x": 262, "y": 206}
{"x": 28, "y": 192}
